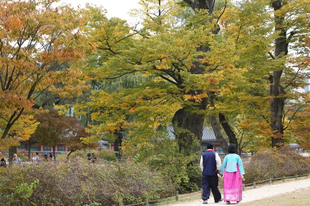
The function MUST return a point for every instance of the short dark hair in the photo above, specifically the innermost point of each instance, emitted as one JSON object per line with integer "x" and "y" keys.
{"x": 210, "y": 145}
{"x": 37, "y": 153}
{"x": 232, "y": 148}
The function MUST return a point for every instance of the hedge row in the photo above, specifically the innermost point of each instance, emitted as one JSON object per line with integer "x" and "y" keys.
{"x": 81, "y": 184}
{"x": 276, "y": 164}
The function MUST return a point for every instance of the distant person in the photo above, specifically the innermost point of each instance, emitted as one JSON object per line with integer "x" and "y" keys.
{"x": 210, "y": 164}
{"x": 51, "y": 156}
{"x": 16, "y": 159}
{"x": 89, "y": 156}
{"x": 45, "y": 157}
{"x": 94, "y": 158}
{"x": 2, "y": 162}
{"x": 233, "y": 171}
{"x": 36, "y": 157}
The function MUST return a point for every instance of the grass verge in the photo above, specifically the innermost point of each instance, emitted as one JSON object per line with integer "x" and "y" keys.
{"x": 298, "y": 197}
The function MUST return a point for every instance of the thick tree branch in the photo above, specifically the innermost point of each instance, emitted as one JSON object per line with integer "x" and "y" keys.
{"x": 225, "y": 6}
{"x": 191, "y": 4}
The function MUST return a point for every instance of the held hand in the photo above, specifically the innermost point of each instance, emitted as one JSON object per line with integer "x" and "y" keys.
{"x": 242, "y": 177}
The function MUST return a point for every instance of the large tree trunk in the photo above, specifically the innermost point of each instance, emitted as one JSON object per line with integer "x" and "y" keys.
{"x": 276, "y": 90}
{"x": 118, "y": 143}
{"x": 12, "y": 150}
{"x": 216, "y": 127}
{"x": 188, "y": 129}
{"x": 218, "y": 134}
{"x": 29, "y": 149}
{"x": 188, "y": 124}
{"x": 54, "y": 147}
{"x": 228, "y": 130}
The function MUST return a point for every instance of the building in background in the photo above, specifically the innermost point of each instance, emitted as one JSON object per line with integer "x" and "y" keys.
{"x": 207, "y": 136}
{"x": 43, "y": 149}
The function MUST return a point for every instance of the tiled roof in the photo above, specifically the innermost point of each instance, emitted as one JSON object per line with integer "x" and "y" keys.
{"x": 207, "y": 135}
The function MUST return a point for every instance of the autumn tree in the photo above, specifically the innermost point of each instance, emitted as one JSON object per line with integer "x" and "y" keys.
{"x": 38, "y": 42}
{"x": 201, "y": 72}
{"x": 78, "y": 138}
{"x": 278, "y": 30}
{"x": 216, "y": 65}
{"x": 180, "y": 66}
{"x": 291, "y": 19}
{"x": 300, "y": 128}
{"x": 167, "y": 65}
{"x": 55, "y": 128}
{"x": 251, "y": 28}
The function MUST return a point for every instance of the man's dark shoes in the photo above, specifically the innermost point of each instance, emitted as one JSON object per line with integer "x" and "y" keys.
{"x": 204, "y": 201}
{"x": 219, "y": 201}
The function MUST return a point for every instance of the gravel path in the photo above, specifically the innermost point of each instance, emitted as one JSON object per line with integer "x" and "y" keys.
{"x": 260, "y": 192}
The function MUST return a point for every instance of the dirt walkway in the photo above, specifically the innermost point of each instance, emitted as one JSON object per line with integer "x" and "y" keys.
{"x": 260, "y": 192}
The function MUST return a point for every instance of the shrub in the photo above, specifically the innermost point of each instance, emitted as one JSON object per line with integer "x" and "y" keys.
{"x": 107, "y": 155}
{"x": 276, "y": 164}
{"x": 84, "y": 183}
{"x": 181, "y": 170}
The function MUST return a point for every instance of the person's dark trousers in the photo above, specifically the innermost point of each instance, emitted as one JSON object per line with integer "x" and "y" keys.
{"x": 210, "y": 182}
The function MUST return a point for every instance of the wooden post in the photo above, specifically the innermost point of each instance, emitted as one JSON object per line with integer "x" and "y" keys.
{"x": 120, "y": 201}
{"x": 177, "y": 196}
{"x": 146, "y": 199}
{"x": 254, "y": 184}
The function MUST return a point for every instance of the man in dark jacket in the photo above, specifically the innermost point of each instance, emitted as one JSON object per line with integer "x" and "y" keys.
{"x": 210, "y": 164}
{"x": 2, "y": 162}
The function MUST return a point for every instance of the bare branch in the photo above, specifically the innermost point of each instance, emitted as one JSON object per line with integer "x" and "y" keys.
{"x": 239, "y": 32}
{"x": 292, "y": 79}
{"x": 291, "y": 119}
{"x": 271, "y": 55}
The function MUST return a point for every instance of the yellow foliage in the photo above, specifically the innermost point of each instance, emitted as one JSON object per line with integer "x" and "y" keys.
{"x": 91, "y": 139}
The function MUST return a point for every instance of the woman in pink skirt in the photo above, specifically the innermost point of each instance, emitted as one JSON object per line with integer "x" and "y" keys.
{"x": 233, "y": 171}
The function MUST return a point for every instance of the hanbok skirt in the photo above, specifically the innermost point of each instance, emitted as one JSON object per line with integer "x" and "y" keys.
{"x": 232, "y": 185}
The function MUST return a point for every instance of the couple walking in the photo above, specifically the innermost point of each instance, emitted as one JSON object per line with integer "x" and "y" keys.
{"x": 232, "y": 170}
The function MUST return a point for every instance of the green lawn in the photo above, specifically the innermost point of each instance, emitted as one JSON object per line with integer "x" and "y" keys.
{"x": 299, "y": 197}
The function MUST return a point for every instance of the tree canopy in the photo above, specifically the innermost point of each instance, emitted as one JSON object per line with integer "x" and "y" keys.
{"x": 217, "y": 64}
{"x": 239, "y": 68}
{"x": 38, "y": 43}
